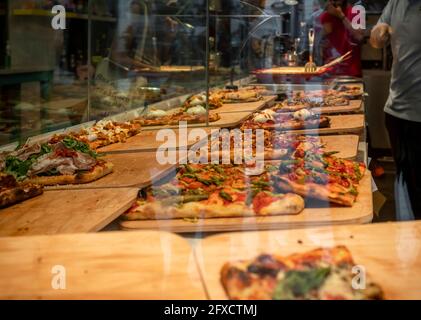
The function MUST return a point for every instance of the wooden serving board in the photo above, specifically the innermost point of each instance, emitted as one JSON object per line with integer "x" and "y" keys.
{"x": 231, "y": 119}
{"x": 134, "y": 169}
{"x": 70, "y": 211}
{"x": 390, "y": 253}
{"x": 147, "y": 141}
{"x": 129, "y": 266}
{"x": 347, "y": 145}
{"x": 248, "y": 106}
{"x": 361, "y": 212}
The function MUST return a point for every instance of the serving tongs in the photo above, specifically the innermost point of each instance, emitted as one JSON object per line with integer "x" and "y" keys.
{"x": 310, "y": 66}
{"x": 339, "y": 60}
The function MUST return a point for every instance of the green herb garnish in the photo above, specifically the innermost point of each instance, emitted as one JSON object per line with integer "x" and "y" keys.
{"x": 80, "y": 146}
{"x": 225, "y": 196}
{"x": 298, "y": 284}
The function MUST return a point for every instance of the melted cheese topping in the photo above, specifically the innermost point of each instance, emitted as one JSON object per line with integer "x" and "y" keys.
{"x": 303, "y": 114}
{"x": 262, "y": 118}
{"x": 153, "y": 114}
{"x": 198, "y": 110}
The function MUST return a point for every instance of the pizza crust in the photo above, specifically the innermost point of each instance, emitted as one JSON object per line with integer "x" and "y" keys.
{"x": 334, "y": 193}
{"x": 268, "y": 154}
{"x": 287, "y": 204}
{"x": 15, "y": 195}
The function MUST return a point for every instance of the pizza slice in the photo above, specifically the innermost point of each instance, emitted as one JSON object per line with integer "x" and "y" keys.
{"x": 242, "y": 95}
{"x": 296, "y": 104}
{"x": 321, "y": 274}
{"x": 300, "y": 120}
{"x": 103, "y": 133}
{"x": 13, "y": 192}
{"x": 66, "y": 161}
{"x": 323, "y": 178}
{"x": 350, "y": 92}
{"x": 235, "y": 144}
{"x": 199, "y": 100}
{"x": 193, "y": 115}
{"x": 213, "y": 191}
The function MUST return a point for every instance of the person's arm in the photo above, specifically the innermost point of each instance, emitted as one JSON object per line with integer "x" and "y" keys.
{"x": 381, "y": 33}
{"x": 337, "y": 12}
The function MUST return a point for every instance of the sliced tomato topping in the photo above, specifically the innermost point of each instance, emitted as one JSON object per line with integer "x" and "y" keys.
{"x": 262, "y": 200}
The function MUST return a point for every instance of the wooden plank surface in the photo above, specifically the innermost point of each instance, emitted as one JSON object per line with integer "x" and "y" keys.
{"x": 248, "y": 106}
{"x": 231, "y": 119}
{"x": 70, "y": 211}
{"x": 147, "y": 141}
{"x": 390, "y": 253}
{"x": 361, "y": 212}
{"x": 138, "y": 265}
{"x": 347, "y": 145}
{"x": 135, "y": 169}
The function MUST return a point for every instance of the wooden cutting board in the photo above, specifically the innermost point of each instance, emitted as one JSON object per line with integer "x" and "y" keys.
{"x": 347, "y": 145}
{"x": 138, "y": 265}
{"x": 361, "y": 212}
{"x": 390, "y": 253}
{"x": 248, "y": 106}
{"x": 134, "y": 169}
{"x": 231, "y": 119}
{"x": 70, "y": 211}
{"x": 147, "y": 141}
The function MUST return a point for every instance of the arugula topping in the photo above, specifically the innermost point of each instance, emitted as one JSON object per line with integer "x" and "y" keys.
{"x": 261, "y": 184}
{"x": 225, "y": 196}
{"x": 353, "y": 191}
{"x": 80, "y": 146}
{"x": 18, "y": 168}
{"x": 357, "y": 171}
{"x": 218, "y": 169}
{"x": 298, "y": 284}
{"x": 329, "y": 154}
{"x": 189, "y": 169}
{"x": 271, "y": 168}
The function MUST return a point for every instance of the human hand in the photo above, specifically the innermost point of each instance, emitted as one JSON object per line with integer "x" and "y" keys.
{"x": 380, "y": 35}
{"x": 335, "y": 11}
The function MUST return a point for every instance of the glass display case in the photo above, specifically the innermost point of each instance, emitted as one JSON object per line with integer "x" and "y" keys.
{"x": 185, "y": 119}
{"x": 114, "y": 57}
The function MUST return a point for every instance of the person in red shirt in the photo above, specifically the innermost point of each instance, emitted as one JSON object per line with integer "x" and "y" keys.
{"x": 341, "y": 37}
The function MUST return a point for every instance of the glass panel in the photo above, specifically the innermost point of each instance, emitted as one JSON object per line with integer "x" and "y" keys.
{"x": 43, "y": 75}
{"x": 150, "y": 52}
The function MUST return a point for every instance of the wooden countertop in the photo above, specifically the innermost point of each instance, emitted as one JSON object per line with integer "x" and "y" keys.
{"x": 390, "y": 252}
{"x": 129, "y": 265}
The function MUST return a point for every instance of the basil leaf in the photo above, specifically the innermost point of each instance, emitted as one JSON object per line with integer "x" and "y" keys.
{"x": 298, "y": 284}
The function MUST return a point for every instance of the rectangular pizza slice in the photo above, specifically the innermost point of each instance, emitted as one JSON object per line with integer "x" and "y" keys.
{"x": 321, "y": 274}
{"x": 213, "y": 191}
